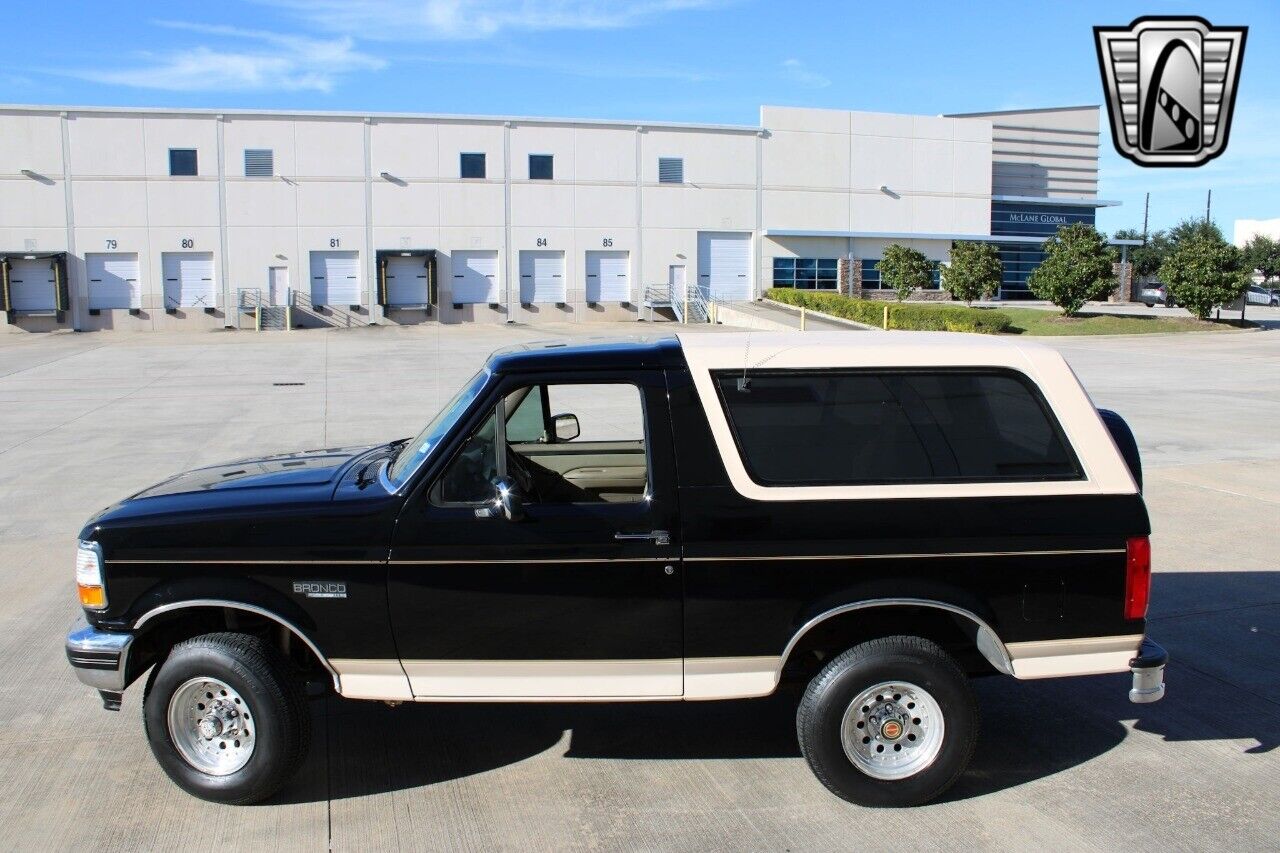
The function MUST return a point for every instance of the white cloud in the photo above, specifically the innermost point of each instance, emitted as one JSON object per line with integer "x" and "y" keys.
{"x": 569, "y": 67}
{"x": 799, "y": 73}
{"x": 257, "y": 61}
{"x": 429, "y": 20}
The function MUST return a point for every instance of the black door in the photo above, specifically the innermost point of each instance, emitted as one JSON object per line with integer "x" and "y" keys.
{"x": 582, "y": 596}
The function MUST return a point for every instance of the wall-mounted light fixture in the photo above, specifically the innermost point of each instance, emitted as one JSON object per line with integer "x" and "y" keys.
{"x": 884, "y": 188}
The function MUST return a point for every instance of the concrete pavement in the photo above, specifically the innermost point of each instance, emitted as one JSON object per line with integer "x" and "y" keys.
{"x": 87, "y": 419}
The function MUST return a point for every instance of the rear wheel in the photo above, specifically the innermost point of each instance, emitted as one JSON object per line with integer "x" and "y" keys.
{"x": 891, "y": 722}
{"x": 226, "y": 719}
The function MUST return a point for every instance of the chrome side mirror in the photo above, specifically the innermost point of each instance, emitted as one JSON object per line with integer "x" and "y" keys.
{"x": 566, "y": 427}
{"x": 508, "y": 498}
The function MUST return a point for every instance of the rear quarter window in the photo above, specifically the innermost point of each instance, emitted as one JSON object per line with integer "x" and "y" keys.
{"x": 876, "y": 427}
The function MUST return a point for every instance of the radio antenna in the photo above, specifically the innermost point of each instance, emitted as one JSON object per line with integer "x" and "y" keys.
{"x": 744, "y": 384}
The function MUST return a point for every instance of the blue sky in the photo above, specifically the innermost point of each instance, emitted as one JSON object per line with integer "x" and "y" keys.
{"x": 678, "y": 60}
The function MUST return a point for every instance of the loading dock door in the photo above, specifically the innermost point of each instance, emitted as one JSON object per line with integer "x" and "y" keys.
{"x": 542, "y": 277}
{"x": 724, "y": 265}
{"x": 475, "y": 277}
{"x": 608, "y": 277}
{"x": 31, "y": 285}
{"x": 113, "y": 280}
{"x": 407, "y": 281}
{"x": 188, "y": 280}
{"x": 335, "y": 278}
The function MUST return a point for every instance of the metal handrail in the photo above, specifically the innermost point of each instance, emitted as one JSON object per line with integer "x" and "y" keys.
{"x": 249, "y": 298}
{"x": 298, "y": 299}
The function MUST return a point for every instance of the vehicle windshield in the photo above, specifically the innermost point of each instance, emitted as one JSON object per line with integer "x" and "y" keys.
{"x": 417, "y": 450}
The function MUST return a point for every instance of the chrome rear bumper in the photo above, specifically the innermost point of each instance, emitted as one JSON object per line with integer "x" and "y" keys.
{"x": 1148, "y": 673}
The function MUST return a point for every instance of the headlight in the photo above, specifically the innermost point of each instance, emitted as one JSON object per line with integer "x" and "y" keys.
{"x": 93, "y": 594}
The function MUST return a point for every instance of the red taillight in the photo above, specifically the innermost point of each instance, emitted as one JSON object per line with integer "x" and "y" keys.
{"x": 1137, "y": 577}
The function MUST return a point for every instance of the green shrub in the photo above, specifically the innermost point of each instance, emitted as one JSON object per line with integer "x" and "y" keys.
{"x": 1076, "y": 268}
{"x": 974, "y": 271}
{"x": 904, "y": 270}
{"x": 908, "y": 316}
{"x": 1204, "y": 272}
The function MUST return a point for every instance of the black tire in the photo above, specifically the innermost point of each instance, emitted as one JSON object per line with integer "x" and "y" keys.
{"x": 259, "y": 673}
{"x": 910, "y": 659}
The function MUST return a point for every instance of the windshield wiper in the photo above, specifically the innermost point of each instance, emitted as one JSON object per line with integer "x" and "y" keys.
{"x": 399, "y": 442}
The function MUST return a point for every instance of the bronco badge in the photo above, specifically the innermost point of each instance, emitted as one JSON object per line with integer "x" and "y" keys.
{"x": 320, "y": 589}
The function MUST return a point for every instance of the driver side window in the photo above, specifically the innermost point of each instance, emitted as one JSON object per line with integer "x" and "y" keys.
{"x": 562, "y": 443}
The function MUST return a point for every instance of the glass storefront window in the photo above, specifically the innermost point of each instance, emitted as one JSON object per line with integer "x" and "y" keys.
{"x": 871, "y": 275}
{"x": 806, "y": 273}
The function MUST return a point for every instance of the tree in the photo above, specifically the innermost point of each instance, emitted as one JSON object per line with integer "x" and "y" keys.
{"x": 1203, "y": 272}
{"x": 1263, "y": 254}
{"x": 905, "y": 270}
{"x": 1148, "y": 257}
{"x": 974, "y": 271}
{"x": 1076, "y": 268}
{"x": 1195, "y": 227}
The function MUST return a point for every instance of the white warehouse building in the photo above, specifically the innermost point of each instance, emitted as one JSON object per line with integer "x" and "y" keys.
{"x": 160, "y": 219}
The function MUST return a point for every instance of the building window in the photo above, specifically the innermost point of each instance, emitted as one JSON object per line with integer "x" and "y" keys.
{"x": 259, "y": 163}
{"x": 871, "y": 275}
{"x": 182, "y": 162}
{"x": 671, "y": 170}
{"x": 1017, "y": 260}
{"x": 862, "y": 427}
{"x": 540, "y": 167}
{"x": 806, "y": 273}
{"x": 472, "y": 165}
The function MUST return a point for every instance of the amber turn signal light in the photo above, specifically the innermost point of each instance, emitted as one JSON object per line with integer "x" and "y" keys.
{"x": 92, "y": 596}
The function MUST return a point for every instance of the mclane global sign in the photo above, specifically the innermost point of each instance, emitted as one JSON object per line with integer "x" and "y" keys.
{"x": 1042, "y": 218}
{"x": 1171, "y": 86}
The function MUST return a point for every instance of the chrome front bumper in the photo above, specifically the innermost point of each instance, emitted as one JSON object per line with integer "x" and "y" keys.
{"x": 1148, "y": 673}
{"x": 99, "y": 658}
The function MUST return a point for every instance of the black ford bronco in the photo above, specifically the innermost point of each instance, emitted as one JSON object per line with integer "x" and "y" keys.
{"x": 879, "y": 517}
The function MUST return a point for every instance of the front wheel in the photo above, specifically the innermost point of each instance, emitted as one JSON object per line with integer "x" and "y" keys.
{"x": 226, "y": 719}
{"x": 891, "y": 722}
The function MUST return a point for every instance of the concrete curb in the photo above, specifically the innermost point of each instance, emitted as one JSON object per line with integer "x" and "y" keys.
{"x": 831, "y": 318}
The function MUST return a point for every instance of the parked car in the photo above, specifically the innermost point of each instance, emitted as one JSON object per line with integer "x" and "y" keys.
{"x": 1155, "y": 293}
{"x": 875, "y": 518}
{"x": 1259, "y": 295}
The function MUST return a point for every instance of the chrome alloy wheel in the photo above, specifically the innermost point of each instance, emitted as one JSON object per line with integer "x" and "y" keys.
{"x": 211, "y": 726}
{"x": 892, "y": 730}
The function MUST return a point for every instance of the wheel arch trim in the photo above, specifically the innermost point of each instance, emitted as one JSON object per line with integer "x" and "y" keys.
{"x": 251, "y": 608}
{"x": 988, "y": 641}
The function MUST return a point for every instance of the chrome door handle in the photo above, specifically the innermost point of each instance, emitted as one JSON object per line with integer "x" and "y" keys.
{"x": 659, "y": 537}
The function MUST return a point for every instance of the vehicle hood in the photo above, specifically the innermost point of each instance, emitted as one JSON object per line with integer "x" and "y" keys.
{"x": 304, "y": 468}
{"x": 261, "y": 485}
